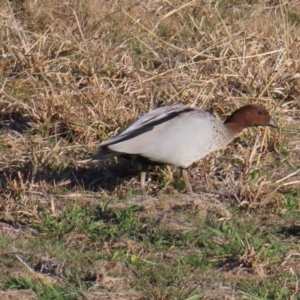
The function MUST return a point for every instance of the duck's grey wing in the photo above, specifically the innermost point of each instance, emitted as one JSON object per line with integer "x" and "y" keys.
{"x": 148, "y": 121}
{"x": 155, "y": 115}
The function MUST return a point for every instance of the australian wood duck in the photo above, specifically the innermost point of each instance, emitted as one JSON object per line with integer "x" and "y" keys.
{"x": 179, "y": 135}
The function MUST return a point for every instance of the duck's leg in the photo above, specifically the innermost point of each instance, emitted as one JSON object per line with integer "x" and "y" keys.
{"x": 186, "y": 181}
{"x": 142, "y": 182}
{"x": 143, "y": 178}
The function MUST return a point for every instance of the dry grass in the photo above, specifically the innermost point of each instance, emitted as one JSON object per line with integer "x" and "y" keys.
{"x": 75, "y": 73}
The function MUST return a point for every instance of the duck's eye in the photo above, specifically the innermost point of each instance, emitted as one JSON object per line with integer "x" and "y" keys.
{"x": 261, "y": 112}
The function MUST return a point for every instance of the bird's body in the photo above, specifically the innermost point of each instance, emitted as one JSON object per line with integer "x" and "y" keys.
{"x": 179, "y": 135}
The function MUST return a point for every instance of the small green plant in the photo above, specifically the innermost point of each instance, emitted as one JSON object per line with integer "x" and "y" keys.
{"x": 44, "y": 291}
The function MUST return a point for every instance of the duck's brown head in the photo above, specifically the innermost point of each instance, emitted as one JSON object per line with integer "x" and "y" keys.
{"x": 249, "y": 116}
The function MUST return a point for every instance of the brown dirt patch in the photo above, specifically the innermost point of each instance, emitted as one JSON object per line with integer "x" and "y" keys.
{"x": 171, "y": 211}
{"x": 18, "y": 295}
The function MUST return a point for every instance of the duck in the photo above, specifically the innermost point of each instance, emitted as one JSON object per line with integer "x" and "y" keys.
{"x": 179, "y": 135}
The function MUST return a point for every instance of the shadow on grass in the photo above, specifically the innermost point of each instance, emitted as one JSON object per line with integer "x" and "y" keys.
{"x": 91, "y": 177}
{"x": 16, "y": 121}
{"x": 292, "y": 230}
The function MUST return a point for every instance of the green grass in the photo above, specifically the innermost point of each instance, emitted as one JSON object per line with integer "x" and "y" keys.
{"x": 43, "y": 291}
{"x": 80, "y": 236}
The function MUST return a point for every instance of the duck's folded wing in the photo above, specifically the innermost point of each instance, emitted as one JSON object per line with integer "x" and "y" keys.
{"x": 148, "y": 121}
